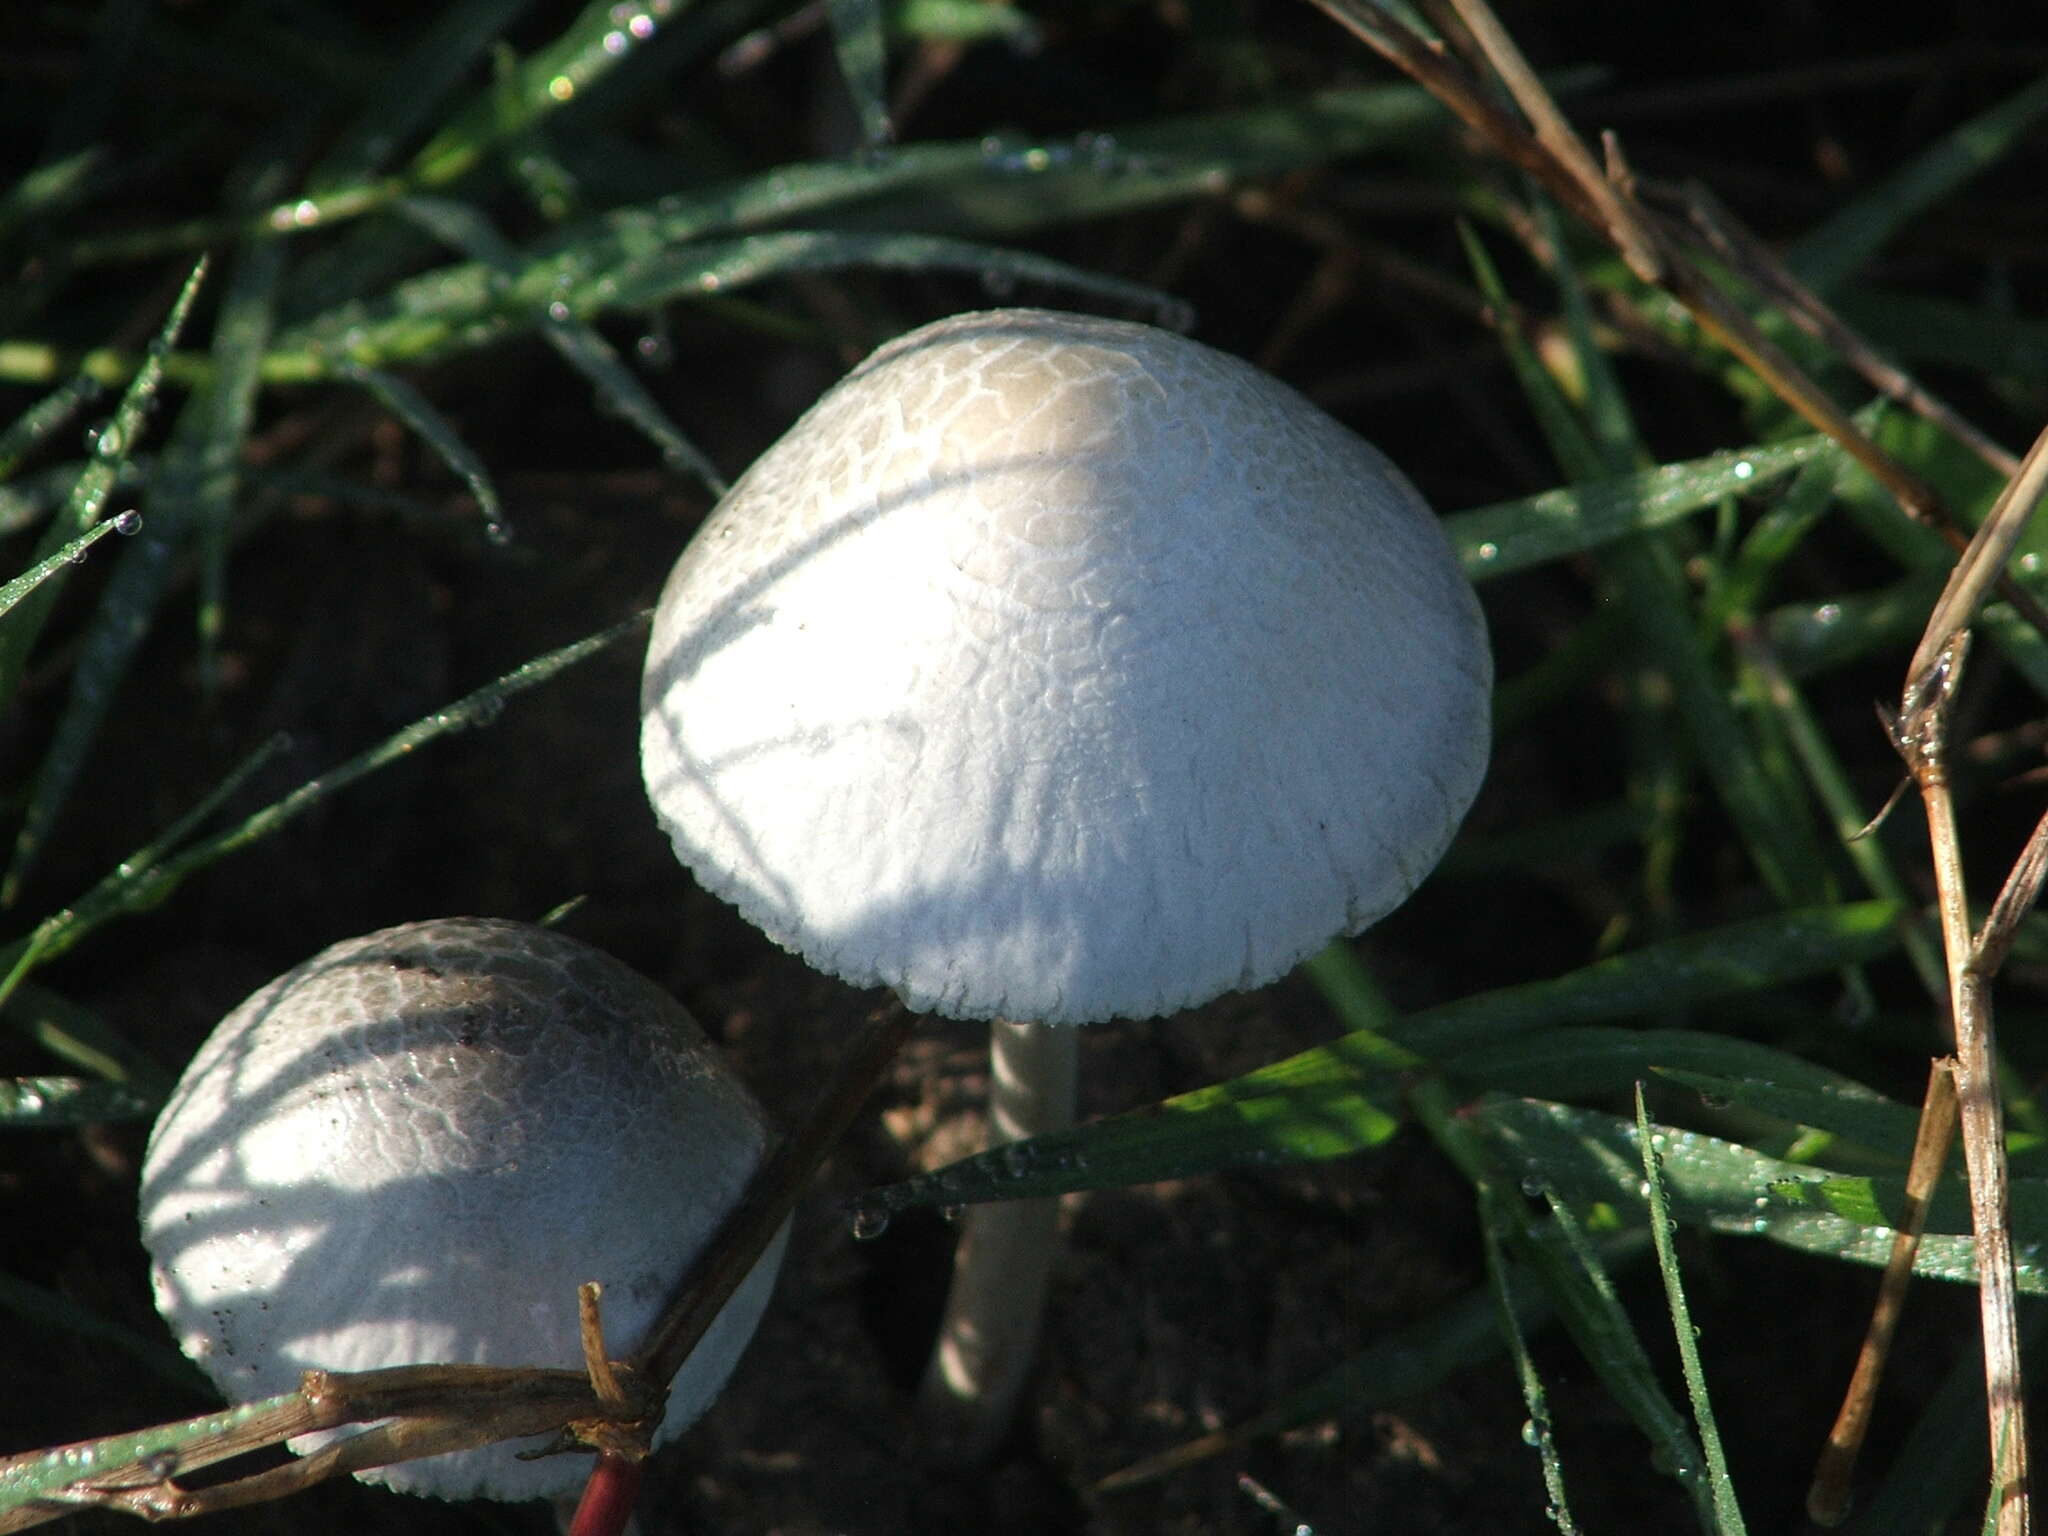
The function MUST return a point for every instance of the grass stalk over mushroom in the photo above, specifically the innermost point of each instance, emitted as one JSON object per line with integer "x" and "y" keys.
{"x": 1700, "y": 576}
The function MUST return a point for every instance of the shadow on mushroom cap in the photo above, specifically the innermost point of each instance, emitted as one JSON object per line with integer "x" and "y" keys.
{"x": 412, "y": 1149}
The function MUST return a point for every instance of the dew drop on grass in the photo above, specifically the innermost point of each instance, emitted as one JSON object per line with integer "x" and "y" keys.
{"x": 1531, "y": 1435}
{"x": 869, "y": 1223}
{"x": 1744, "y": 469}
{"x": 129, "y": 523}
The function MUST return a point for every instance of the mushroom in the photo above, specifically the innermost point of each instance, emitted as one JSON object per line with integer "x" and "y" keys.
{"x": 414, "y": 1147}
{"x": 1052, "y": 669}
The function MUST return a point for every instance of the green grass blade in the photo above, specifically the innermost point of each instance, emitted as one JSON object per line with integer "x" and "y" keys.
{"x": 411, "y": 89}
{"x": 1573, "y": 1276}
{"x": 43, "y": 420}
{"x": 1592, "y": 1160}
{"x": 1849, "y": 239}
{"x": 398, "y": 396}
{"x": 73, "y": 553}
{"x": 568, "y": 69}
{"x": 47, "y": 1475}
{"x": 95, "y": 485}
{"x": 79, "y": 1036}
{"x": 40, "y": 1103}
{"x": 153, "y": 873}
{"x": 858, "y": 41}
{"x": 1581, "y": 1061}
{"x": 1727, "y": 1512}
{"x": 431, "y": 322}
{"x": 581, "y": 346}
{"x": 1495, "y": 1228}
{"x": 240, "y": 338}
{"x": 1729, "y": 961}
{"x": 194, "y": 494}
{"x": 1516, "y": 535}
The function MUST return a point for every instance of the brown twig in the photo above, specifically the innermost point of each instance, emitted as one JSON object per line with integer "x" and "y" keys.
{"x": 1827, "y": 1501}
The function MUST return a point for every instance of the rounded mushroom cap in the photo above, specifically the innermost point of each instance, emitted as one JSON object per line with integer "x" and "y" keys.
{"x": 1059, "y": 668}
{"x": 414, "y": 1147}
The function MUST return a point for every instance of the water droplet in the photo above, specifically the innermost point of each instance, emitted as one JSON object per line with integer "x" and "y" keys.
{"x": 559, "y": 311}
{"x": 1744, "y": 469}
{"x": 1827, "y": 613}
{"x": 129, "y": 523}
{"x": 869, "y": 1223}
{"x": 562, "y": 88}
{"x": 498, "y": 532}
{"x": 1531, "y": 1435}
{"x": 616, "y": 43}
{"x": 1488, "y": 551}
{"x": 950, "y": 1213}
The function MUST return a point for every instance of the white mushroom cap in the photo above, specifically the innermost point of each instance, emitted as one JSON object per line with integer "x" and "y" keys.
{"x": 414, "y": 1147}
{"x": 1059, "y": 668}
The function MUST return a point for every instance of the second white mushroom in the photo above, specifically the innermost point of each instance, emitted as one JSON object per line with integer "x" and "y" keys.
{"x": 414, "y": 1147}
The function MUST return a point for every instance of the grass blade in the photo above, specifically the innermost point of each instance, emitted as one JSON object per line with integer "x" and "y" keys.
{"x": 95, "y": 485}
{"x": 1727, "y": 1513}
{"x": 1848, "y": 240}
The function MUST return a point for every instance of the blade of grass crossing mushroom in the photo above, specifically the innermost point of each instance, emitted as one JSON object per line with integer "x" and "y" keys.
{"x": 1726, "y": 1511}
{"x": 110, "y": 449}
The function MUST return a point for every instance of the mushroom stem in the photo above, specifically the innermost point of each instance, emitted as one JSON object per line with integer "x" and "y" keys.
{"x": 988, "y": 1335}
{"x": 606, "y": 1508}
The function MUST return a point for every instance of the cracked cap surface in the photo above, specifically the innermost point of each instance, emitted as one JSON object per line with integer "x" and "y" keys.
{"x": 1060, "y": 668}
